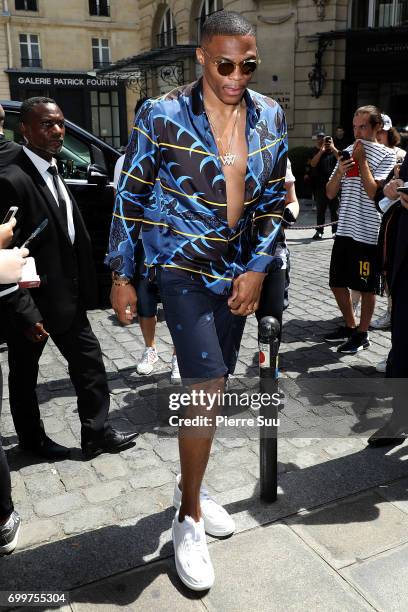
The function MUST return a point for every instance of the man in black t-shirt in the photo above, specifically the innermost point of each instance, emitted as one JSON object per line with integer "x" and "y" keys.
{"x": 322, "y": 163}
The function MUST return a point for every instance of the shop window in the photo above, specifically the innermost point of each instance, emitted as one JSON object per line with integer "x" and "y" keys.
{"x": 100, "y": 8}
{"x": 207, "y": 8}
{"x": 26, "y": 5}
{"x": 100, "y": 52}
{"x": 105, "y": 116}
{"x": 167, "y": 36}
{"x": 378, "y": 13}
{"x": 30, "y": 52}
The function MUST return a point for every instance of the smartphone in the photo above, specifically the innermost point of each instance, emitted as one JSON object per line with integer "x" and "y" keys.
{"x": 344, "y": 155}
{"x": 12, "y": 211}
{"x": 327, "y": 139}
{"x": 35, "y": 233}
{"x": 403, "y": 190}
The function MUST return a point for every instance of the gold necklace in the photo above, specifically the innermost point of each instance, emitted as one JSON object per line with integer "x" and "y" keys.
{"x": 226, "y": 156}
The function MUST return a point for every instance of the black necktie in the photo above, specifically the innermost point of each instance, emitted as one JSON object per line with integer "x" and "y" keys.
{"x": 62, "y": 205}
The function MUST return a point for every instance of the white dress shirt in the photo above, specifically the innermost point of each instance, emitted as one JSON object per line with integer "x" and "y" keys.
{"x": 42, "y": 166}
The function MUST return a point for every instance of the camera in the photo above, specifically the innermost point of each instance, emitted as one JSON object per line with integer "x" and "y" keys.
{"x": 327, "y": 139}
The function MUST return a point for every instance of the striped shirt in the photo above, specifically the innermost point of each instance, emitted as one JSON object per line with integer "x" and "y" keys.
{"x": 358, "y": 216}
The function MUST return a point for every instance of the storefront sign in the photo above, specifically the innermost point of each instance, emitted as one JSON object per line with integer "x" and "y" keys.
{"x": 376, "y": 55}
{"x": 59, "y": 81}
{"x": 284, "y": 97}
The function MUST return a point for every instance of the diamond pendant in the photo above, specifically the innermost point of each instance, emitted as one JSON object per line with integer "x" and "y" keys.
{"x": 228, "y": 159}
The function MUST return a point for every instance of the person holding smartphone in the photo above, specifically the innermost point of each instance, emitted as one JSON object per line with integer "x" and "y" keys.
{"x": 322, "y": 163}
{"x": 361, "y": 169}
{"x": 11, "y": 267}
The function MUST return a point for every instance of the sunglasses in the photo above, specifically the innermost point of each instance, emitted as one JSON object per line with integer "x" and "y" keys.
{"x": 226, "y": 67}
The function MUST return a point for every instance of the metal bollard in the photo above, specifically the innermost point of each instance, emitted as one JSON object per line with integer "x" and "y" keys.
{"x": 268, "y": 331}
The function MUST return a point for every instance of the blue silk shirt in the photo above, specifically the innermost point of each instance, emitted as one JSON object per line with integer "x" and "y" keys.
{"x": 172, "y": 187}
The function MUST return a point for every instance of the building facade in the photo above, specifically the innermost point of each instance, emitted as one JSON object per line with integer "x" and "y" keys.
{"x": 55, "y": 48}
{"x": 98, "y": 58}
{"x": 320, "y": 58}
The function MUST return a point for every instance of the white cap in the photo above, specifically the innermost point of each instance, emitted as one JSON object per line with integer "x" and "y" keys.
{"x": 387, "y": 122}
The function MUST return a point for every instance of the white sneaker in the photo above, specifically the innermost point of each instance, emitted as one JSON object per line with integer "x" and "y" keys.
{"x": 217, "y": 521}
{"x": 193, "y": 563}
{"x": 149, "y": 358}
{"x": 175, "y": 377}
{"x": 381, "y": 366}
{"x": 383, "y": 322}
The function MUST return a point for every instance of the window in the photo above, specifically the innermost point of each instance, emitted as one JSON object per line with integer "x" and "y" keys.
{"x": 99, "y": 7}
{"x": 74, "y": 158}
{"x": 378, "y": 13}
{"x": 359, "y": 14}
{"x": 30, "y": 51}
{"x": 12, "y": 127}
{"x": 100, "y": 52}
{"x": 105, "y": 116}
{"x": 167, "y": 36}
{"x": 26, "y": 5}
{"x": 390, "y": 13}
{"x": 207, "y": 8}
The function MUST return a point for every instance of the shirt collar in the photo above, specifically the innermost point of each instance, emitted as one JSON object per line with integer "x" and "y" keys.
{"x": 41, "y": 164}
{"x": 196, "y": 93}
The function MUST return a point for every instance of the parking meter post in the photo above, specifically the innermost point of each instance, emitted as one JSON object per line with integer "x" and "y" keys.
{"x": 268, "y": 334}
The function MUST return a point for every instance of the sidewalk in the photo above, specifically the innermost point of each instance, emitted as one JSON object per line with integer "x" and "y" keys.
{"x": 336, "y": 539}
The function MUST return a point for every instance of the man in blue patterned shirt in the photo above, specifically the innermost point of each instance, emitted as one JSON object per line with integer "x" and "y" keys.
{"x": 203, "y": 180}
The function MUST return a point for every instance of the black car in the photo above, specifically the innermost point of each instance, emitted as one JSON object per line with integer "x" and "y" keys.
{"x": 87, "y": 165}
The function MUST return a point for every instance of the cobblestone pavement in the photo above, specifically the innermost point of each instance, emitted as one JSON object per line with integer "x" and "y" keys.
{"x": 88, "y": 520}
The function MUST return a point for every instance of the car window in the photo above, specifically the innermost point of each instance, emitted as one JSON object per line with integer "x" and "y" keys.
{"x": 12, "y": 127}
{"x": 74, "y": 158}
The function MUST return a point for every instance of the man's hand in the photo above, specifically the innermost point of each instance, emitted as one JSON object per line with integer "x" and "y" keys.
{"x": 390, "y": 189}
{"x": 6, "y": 233}
{"x": 359, "y": 153}
{"x": 123, "y": 299}
{"x": 11, "y": 264}
{"x": 36, "y": 333}
{"x": 345, "y": 165}
{"x": 246, "y": 291}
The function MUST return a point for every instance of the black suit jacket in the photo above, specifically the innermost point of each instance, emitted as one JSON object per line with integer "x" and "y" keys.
{"x": 68, "y": 280}
{"x": 8, "y": 151}
{"x": 400, "y": 237}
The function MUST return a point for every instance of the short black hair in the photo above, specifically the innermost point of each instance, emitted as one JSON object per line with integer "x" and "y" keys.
{"x": 28, "y": 105}
{"x": 226, "y": 23}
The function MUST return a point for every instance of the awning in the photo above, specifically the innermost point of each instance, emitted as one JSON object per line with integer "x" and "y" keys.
{"x": 150, "y": 59}
{"x": 166, "y": 63}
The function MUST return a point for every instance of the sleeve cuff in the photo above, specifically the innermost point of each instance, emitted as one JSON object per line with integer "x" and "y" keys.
{"x": 120, "y": 263}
